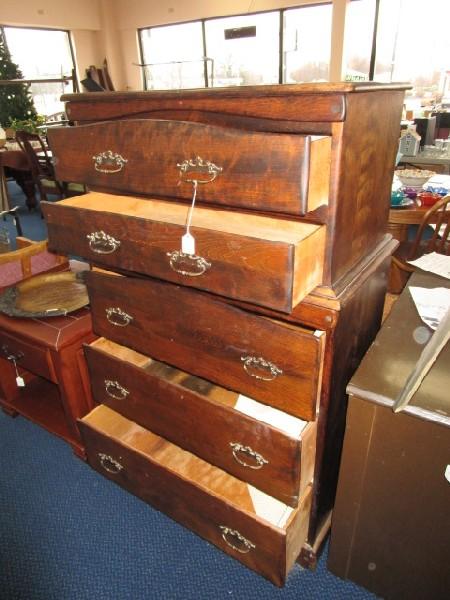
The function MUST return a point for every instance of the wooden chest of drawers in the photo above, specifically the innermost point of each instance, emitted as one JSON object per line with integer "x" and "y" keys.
{"x": 221, "y": 378}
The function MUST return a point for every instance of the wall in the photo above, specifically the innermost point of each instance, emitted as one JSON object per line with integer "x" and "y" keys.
{"x": 58, "y": 14}
{"x": 81, "y": 17}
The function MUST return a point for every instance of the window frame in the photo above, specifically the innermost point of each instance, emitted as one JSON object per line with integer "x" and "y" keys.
{"x": 73, "y": 77}
{"x": 203, "y": 22}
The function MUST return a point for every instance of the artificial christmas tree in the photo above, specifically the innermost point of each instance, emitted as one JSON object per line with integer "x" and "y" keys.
{"x": 16, "y": 103}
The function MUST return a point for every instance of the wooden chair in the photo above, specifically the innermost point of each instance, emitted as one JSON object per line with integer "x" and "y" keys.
{"x": 437, "y": 218}
{"x": 40, "y": 164}
{"x": 12, "y": 212}
{"x": 41, "y": 167}
{"x": 29, "y": 259}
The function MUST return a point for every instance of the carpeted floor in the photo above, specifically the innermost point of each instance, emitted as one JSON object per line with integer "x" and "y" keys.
{"x": 66, "y": 533}
{"x": 33, "y": 225}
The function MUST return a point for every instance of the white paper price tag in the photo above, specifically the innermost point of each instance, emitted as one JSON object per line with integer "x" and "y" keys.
{"x": 20, "y": 381}
{"x": 188, "y": 244}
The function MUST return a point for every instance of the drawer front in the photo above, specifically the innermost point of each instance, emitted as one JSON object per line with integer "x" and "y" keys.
{"x": 27, "y": 356}
{"x": 264, "y": 171}
{"x": 270, "y": 361}
{"x": 186, "y": 498}
{"x": 247, "y": 257}
{"x": 201, "y": 418}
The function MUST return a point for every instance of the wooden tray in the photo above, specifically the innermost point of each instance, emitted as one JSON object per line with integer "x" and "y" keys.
{"x": 47, "y": 295}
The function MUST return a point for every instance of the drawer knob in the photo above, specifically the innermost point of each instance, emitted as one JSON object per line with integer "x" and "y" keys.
{"x": 238, "y": 450}
{"x": 109, "y": 162}
{"x": 118, "y": 317}
{"x": 102, "y": 243}
{"x": 11, "y": 356}
{"x": 260, "y": 368}
{"x": 188, "y": 264}
{"x": 109, "y": 464}
{"x": 115, "y": 390}
{"x": 235, "y": 540}
{"x": 199, "y": 170}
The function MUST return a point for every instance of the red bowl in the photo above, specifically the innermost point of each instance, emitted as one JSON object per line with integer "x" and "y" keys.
{"x": 428, "y": 199}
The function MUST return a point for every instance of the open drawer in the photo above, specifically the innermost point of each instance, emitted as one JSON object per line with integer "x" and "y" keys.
{"x": 259, "y": 531}
{"x": 267, "y": 261}
{"x": 246, "y": 169}
{"x": 273, "y": 451}
{"x": 277, "y": 363}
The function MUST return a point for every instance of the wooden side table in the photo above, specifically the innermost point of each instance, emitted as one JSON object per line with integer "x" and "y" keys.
{"x": 48, "y": 355}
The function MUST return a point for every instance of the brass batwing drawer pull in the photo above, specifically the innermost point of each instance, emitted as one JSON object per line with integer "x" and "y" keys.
{"x": 11, "y": 356}
{"x": 109, "y": 464}
{"x": 239, "y": 450}
{"x": 235, "y": 540}
{"x": 102, "y": 243}
{"x": 118, "y": 317}
{"x": 109, "y": 162}
{"x": 115, "y": 390}
{"x": 260, "y": 368}
{"x": 188, "y": 264}
{"x": 199, "y": 170}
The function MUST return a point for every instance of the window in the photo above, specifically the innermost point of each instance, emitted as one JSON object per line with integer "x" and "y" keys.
{"x": 359, "y": 26}
{"x": 173, "y": 56}
{"x": 307, "y": 43}
{"x": 413, "y": 45}
{"x": 244, "y": 49}
{"x": 43, "y": 54}
{"x": 239, "y": 50}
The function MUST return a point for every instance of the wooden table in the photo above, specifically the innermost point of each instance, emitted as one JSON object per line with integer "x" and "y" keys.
{"x": 48, "y": 354}
{"x": 401, "y": 218}
{"x": 16, "y": 164}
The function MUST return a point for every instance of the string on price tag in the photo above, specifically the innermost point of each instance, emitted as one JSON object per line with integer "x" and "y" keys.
{"x": 20, "y": 382}
{"x": 188, "y": 240}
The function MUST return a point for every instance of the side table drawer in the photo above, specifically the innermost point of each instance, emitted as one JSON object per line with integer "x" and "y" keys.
{"x": 259, "y": 531}
{"x": 30, "y": 357}
{"x": 271, "y": 361}
{"x": 207, "y": 420}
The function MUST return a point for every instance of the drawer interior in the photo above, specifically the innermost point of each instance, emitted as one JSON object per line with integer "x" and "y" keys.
{"x": 186, "y": 466}
{"x": 288, "y": 424}
{"x": 237, "y": 223}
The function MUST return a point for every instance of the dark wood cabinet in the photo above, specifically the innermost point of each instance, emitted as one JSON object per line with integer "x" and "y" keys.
{"x": 238, "y": 370}
{"x": 391, "y": 524}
